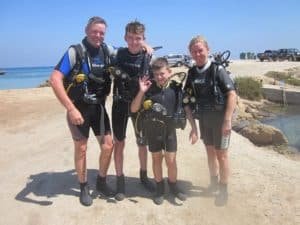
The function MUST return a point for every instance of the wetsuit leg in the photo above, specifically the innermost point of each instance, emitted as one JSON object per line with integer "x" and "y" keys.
{"x": 119, "y": 119}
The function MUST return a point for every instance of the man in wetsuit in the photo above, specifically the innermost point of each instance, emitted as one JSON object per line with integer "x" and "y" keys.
{"x": 84, "y": 99}
{"x": 215, "y": 96}
{"x": 133, "y": 61}
{"x": 160, "y": 100}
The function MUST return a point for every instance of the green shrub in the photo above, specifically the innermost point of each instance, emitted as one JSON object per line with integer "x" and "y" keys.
{"x": 249, "y": 88}
{"x": 287, "y": 77}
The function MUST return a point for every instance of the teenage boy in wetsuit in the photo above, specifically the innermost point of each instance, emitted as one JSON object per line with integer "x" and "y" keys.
{"x": 159, "y": 127}
{"x": 214, "y": 122}
{"x": 132, "y": 61}
{"x": 82, "y": 115}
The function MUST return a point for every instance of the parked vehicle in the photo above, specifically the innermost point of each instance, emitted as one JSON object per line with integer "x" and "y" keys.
{"x": 189, "y": 62}
{"x": 290, "y": 54}
{"x": 176, "y": 59}
{"x": 270, "y": 55}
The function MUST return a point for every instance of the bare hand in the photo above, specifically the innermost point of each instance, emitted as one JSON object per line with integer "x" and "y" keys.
{"x": 144, "y": 83}
{"x": 147, "y": 48}
{"x": 193, "y": 136}
{"x": 226, "y": 127}
{"x": 75, "y": 117}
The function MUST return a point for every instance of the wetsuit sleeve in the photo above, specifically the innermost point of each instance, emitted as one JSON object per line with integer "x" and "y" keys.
{"x": 67, "y": 62}
{"x": 225, "y": 82}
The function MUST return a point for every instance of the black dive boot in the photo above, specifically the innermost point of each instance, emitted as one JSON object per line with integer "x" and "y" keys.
{"x": 146, "y": 182}
{"x": 85, "y": 197}
{"x": 222, "y": 197}
{"x": 176, "y": 191}
{"x": 160, "y": 190}
{"x": 120, "y": 195}
{"x": 214, "y": 184}
{"x": 103, "y": 188}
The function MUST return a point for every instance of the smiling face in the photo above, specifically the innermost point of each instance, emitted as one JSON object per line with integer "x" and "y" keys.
{"x": 199, "y": 52}
{"x": 135, "y": 36}
{"x": 162, "y": 75}
{"x": 134, "y": 41}
{"x": 95, "y": 34}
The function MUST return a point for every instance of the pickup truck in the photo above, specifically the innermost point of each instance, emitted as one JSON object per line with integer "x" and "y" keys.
{"x": 270, "y": 55}
{"x": 290, "y": 54}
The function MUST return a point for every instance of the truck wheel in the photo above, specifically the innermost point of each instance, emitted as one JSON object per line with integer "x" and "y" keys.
{"x": 179, "y": 64}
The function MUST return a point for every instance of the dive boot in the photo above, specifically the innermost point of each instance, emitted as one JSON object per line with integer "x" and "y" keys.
{"x": 159, "y": 195}
{"x": 85, "y": 196}
{"x": 222, "y": 196}
{"x": 146, "y": 182}
{"x": 176, "y": 191}
{"x": 120, "y": 195}
{"x": 103, "y": 188}
{"x": 214, "y": 184}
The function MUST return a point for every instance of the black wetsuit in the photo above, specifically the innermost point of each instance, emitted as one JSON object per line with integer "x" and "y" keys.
{"x": 124, "y": 90}
{"x": 200, "y": 84}
{"x": 94, "y": 115}
{"x": 158, "y": 125}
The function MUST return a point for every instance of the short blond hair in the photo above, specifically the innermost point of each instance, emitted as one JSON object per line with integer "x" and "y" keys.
{"x": 197, "y": 39}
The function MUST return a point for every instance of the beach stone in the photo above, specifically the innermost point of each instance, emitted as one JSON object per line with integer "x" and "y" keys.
{"x": 262, "y": 134}
{"x": 45, "y": 84}
{"x": 239, "y": 125}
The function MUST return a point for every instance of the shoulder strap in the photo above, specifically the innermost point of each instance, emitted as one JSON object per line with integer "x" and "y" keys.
{"x": 80, "y": 58}
{"x": 145, "y": 68}
{"x": 213, "y": 73}
{"x": 106, "y": 55}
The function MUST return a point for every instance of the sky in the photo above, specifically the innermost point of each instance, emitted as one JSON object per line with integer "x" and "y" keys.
{"x": 37, "y": 33}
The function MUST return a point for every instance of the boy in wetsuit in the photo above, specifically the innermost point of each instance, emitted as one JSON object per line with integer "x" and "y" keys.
{"x": 132, "y": 61}
{"x": 159, "y": 104}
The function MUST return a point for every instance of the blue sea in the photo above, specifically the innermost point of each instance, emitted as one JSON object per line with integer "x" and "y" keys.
{"x": 24, "y": 77}
{"x": 289, "y": 124}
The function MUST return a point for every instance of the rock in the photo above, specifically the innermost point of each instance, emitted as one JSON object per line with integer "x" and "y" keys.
{"x": 251, "y": 110}
{"x": 239, "y": 125}
{"x": 262, "y": 134}
{"x": 45, "y": 84}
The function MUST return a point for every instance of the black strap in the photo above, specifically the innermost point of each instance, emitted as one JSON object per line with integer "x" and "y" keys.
{"x": 106, "y": 55}
{"x": 213, "y": 73}
{"x": 145, "y": 68}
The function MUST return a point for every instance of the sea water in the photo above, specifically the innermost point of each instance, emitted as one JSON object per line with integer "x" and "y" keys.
{"x": 24, "y": 77}
{"x": 289, "y": 124}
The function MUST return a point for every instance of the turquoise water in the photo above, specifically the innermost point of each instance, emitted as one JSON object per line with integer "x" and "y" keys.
{"x": 289, "y": 124}
{"x": 24, "y": 77}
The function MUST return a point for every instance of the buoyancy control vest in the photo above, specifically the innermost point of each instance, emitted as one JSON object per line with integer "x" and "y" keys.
{"x": 129, "y": 67}
{"x": 89, "y": 80}
{"x": 165, "y": 104}
{"x": 204, "y": 90}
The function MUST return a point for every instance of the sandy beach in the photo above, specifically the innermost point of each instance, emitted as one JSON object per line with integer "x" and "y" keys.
{"x": 39, "y": 185}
